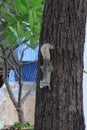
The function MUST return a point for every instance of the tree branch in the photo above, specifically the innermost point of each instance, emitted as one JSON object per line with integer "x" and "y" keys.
{"x": 14, "y": 68}
{"x": 11, "y": 50}
{"x": 22, "y": 54}
{"x": 28, "y": 63}
{"x": 10, "y": 93}
{"x": 27, "y": 94}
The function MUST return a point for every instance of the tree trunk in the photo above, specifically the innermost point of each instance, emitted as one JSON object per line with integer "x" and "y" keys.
{"x": 20, "y": 113}
{"x": 61, "y": 108}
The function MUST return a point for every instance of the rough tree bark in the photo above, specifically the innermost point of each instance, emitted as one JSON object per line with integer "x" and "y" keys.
{"x": 64, "y": 27}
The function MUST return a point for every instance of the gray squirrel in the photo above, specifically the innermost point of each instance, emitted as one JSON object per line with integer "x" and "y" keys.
{"x": 47, "y": 67}
{"x": 45, "y": 51}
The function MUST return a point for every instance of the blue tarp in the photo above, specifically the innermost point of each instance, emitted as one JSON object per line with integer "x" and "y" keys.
{"x": 29, "y": 72}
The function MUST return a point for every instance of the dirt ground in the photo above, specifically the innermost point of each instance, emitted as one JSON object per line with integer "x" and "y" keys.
{"x": 8, "y": 114}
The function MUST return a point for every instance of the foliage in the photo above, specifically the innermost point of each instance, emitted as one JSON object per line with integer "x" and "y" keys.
{"x": 22, "y": 19}
{"x": 20, "y": 126}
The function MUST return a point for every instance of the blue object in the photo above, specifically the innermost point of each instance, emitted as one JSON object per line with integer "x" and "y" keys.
{"x": 29, "y": 72}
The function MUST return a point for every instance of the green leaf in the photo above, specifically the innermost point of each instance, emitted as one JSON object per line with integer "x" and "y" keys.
{"x": 23, "y": 8}
{"x": 36, "y": 2}
{"x": 6, "y": 32}
{"x": 20, "y": 7}
{"x": 30, "y": 15}
{"x": 11, "y": 40}
{"x": 25, "y": 3}
{"x": 85, "y": 71}
{"x": 31, "y": 18}
{"x": 10, "y": 18}
{"x": 34, "y": 41}
{"x": 19, "y": 29}
{"x": 13, "y": 31}
{"x": 17, "y": 6}
{"x": 27, "y": 35}
{"x": 39, "y": 14}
